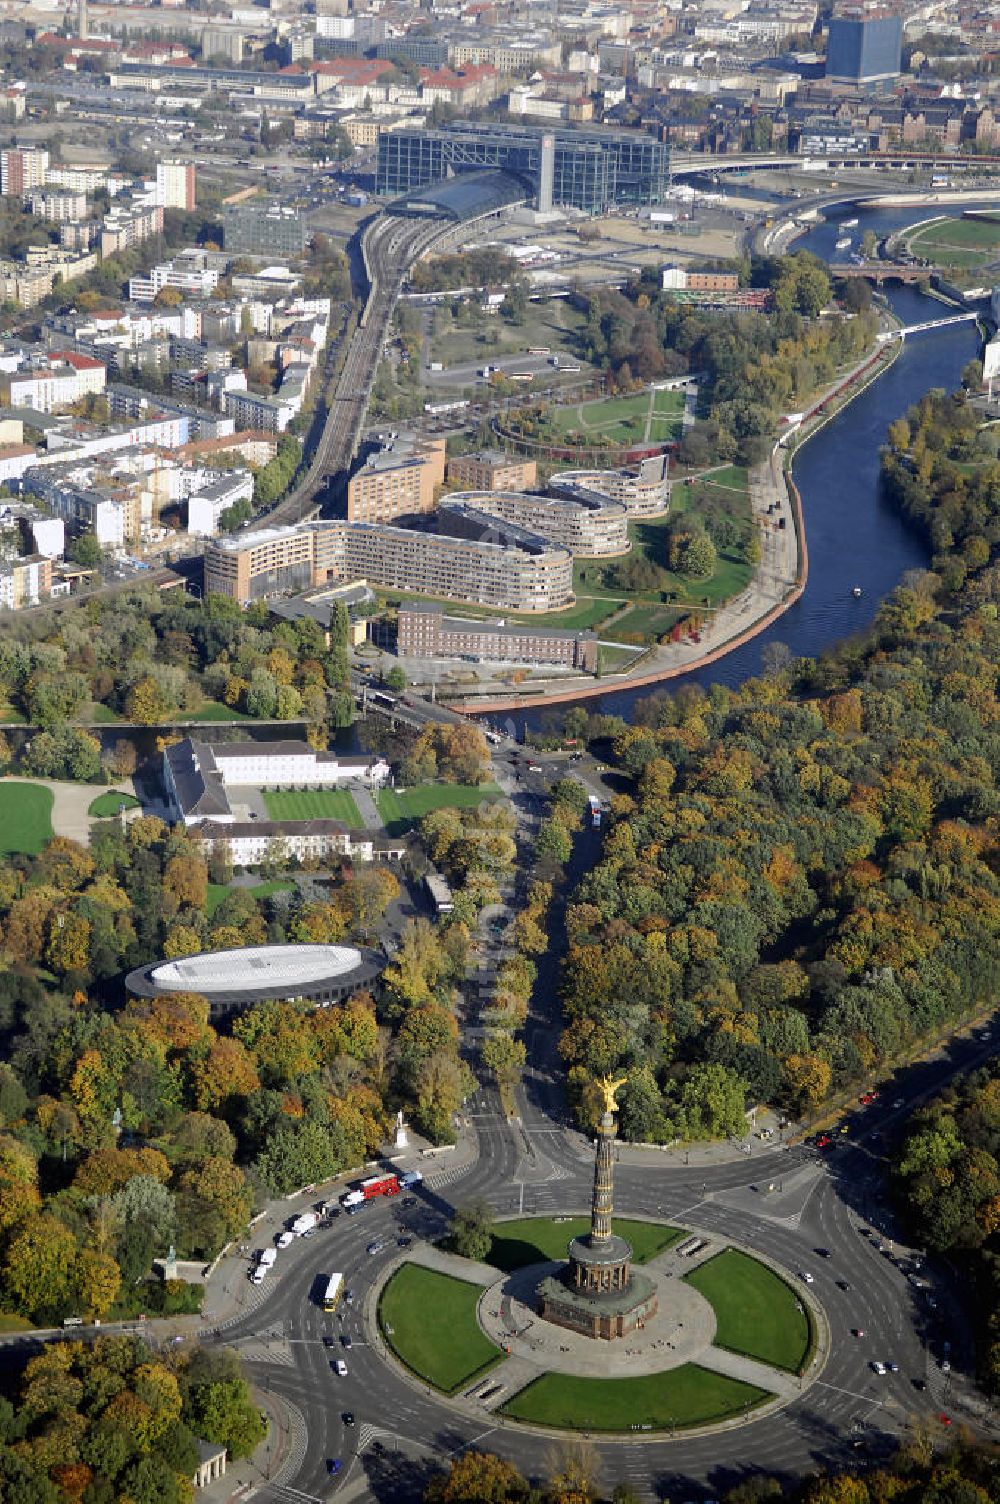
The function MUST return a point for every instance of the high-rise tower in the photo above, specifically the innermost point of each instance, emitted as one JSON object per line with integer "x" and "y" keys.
{"x": 82, "y": 20}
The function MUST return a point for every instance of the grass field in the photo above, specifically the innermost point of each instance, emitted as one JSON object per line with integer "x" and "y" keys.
{"x": 313, "y": 804}
{"x": 645, "y": 417}
{"x": 402, "y": 808}
{"x": 556, "y": 324}
{"x": 25, "y": 818}
{"x": 212, "y": 710}
{"x": 217, "y": 892}
{"x": 530, "y": 1240}
{"x": 429, "y": 1321}
{"x": 757, "y": 1312}
{"x": 645, "y": 622}
{"x": 106, "y": 806}
{"x": 964, "y": 243}
{"x": 681, "y": 1397}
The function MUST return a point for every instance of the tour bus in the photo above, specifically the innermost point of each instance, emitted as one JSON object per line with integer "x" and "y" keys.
{"x": 333, "y": 1292}
{"x": 539, "y": 350}
{"x": 521, "y": 376}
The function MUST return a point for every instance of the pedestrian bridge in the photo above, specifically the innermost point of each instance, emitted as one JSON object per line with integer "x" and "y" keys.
{"x": 905, "y": 329}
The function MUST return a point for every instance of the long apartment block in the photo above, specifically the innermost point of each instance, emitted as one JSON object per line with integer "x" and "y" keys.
{"x": 476, "y": 559}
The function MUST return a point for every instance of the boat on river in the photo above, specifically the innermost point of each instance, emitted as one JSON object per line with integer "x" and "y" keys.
{"x": 844, "y": 244}
{"x": 848, "y": 224}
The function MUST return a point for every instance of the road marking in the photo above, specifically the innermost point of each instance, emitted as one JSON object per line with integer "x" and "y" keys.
{"x": 864, "y": 1399}
{"x": 466, "y": 1444}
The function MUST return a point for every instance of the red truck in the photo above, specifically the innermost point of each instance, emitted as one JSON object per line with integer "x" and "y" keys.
{"x": 375, "y": 1185}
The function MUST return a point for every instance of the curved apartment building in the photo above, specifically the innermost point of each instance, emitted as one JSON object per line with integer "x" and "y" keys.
{"x": 589, "y": 525}
{"x": 644, "y": 492}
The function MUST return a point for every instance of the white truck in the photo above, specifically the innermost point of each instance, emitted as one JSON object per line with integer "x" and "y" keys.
{"x": 411, "y": 1177}
{"x": 264, "y": 1264}
{"x": 304, "y": 1223}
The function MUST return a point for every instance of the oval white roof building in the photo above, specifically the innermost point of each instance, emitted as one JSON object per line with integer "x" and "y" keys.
{"x": 233, "y": 979}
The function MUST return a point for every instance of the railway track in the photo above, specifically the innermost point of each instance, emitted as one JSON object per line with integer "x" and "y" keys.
{"x": 390, "y": 246}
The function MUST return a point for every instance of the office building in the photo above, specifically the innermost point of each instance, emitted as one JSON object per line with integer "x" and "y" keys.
{"x": 129, "y": 224}
{"x": 25, "y": 582}
{"x": 190, "y": 273}
{"x": 225, "y": 42}
{"x": 61, "y": 205}
{"x": 175, "y": 184}
{"x": 864, "y": 45}
{"x": 478, "y": 559}
{"x": 398, "y": 481}
{"x": 492, "y": 470}
{"x": 21, "y": 168}
{"x": 214, "y": 496}
{"x": 589, "y": 526}
{"x": 588, "y": 169}
{"x": 263, "y": 229}
{"x": 425, "y": 632}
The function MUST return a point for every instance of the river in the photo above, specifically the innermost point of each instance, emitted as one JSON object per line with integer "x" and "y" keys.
{"x": 854, "y": 537}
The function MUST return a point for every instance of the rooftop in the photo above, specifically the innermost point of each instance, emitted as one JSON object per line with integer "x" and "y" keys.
{"x": 278, "y": 966}
{"x": 466, "y": 196}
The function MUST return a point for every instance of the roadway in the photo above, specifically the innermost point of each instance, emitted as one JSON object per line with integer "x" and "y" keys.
{"x": 787, "y": 1200}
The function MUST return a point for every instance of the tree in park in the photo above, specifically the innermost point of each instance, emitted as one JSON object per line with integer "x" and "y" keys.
{"x": 477, "y": 1478}
{"x": 146, "y": 703}
{"x": 504, "y": 1057}
{"x": 471, "y": 1231}
{"x": 98, "y": 1280}
{"x": 554, "y": 841}
{"x": 223, "y": 1412}
{"x": 396, "y": 679}
{"x": 37, "y": 1271}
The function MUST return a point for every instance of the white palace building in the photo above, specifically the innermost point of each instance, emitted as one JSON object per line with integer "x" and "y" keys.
{"x": 210, "y": 789}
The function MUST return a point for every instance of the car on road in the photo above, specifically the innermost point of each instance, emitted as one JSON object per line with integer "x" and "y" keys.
{"x": 404, "y": 1242}
{"x": 349, "y": 1297}
{"x": 842, "y": 1284}
{"x": 877, "y": 1367}
{"x": 945, "y": 1365}
{"x": 348, "y": 1418}
{"x": 408, "y": 1201}
{"x": 824, "y": 1141}
{"x": 944, "y": 1419}
{"x": 333, "y": 1464}
{"x": 824, "y": 1253}
{"x": 347, "y": 1341}
{"x": 310, "y": 1232}
{"x": 806, "y": 1276}
{"x": 328, "y": 1341}
{"x": 919, "y": 1384}
{"x": 375, "y": 1247}
{"x": 857, "y": 1331}
{"x": 339, "y": 1367}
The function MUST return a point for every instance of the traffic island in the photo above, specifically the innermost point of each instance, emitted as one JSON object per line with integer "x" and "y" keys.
{"x": 685, "y": 1397}
{"x": 428, "y": 1319}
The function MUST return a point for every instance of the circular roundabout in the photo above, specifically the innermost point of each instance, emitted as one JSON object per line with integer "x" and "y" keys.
{"x": 712, "y": 1336}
